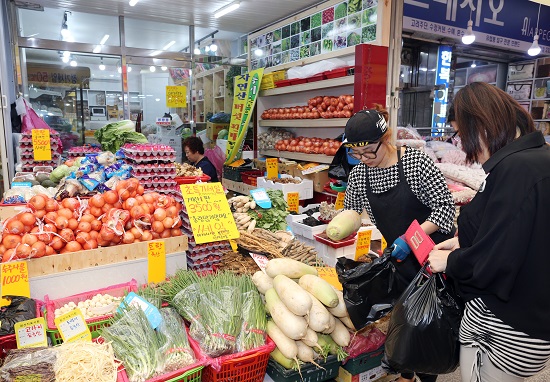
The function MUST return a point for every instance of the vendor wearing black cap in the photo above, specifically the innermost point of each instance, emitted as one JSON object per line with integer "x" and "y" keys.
{"x": 396, "y": 185}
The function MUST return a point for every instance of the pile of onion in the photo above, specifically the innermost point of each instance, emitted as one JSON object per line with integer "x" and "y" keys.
{"x": 317, "y": 107}
{"x": 309, "y": 145}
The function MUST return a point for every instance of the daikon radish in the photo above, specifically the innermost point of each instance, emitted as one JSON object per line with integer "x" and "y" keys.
{"x": 327, "y": 342}
{"x": 319, "y": 318}
{"x": 285, "y": 362}
{"x": 343, "y": 225}
{"x": 288, "y": 267}
{"x": 340, "y": 334}
{"x": 311, "y": 340}
{"x": 305, "y": 354}
{"x": 296, "y": 299}
{"x": 332, "y": 325}
{"x": 321, "y": 289}
{"x": 291, "y": 325}
{"x": 286, "y": 346}
{"x": 347, "y": 321}
{"x": 339, "y": 310}
{"x": 262, "y": 281}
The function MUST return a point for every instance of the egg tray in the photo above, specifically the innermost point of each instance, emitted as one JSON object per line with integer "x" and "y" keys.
{"x": 28, "y": 146}
{"x": 29, "y": 133}
{"x": 158, "y": 150}
{"x": 29, "y": 155}
{"x": 209, "y": 246}
{"x": 149, "y": 177}
{"x": 202, "y": 267}
{"x": 158, "y": 167}
{"x": 154, "y": 182}
{"x": 199, "y": 251}
{"x": 150, "y": 159}
{"x": 209, "y": 258}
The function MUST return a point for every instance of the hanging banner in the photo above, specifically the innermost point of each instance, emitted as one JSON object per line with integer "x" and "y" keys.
{"x": 247, "y": 87}
{"x": 176, "y": 96}
{"x": 442, "y": 77}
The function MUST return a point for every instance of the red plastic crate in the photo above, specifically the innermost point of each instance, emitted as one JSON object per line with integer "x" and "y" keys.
{"x": 340, "y": 72}
{"x": 323, "y": 238}
{"x": 191, "y": 179}
{"x": 9, "y": 342}
{"x": 298, "y": 81}
{"x": 251, "y": 177}
{"x": 317, "y": 77}
{"x": 282, "y": 83}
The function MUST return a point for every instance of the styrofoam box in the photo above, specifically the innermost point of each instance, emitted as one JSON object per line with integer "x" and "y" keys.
{"x": 304, "y": 230}
{"x": 304, "y": 188}
{"x": 169, "y": 131}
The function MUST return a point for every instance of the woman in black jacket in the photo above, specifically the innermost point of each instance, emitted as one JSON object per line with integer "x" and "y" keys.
{"x": 500, "y": 259}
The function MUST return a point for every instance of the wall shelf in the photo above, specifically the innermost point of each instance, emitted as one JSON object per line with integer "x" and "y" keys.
{"x": 310, "y": 123}
{"x": 341, "y": 81}
{"x": 320, "y": 158}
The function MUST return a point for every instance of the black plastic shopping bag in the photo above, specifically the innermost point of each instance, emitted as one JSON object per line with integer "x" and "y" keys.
{"x": 370, "y": 289}
{"x": 424, "y": 325}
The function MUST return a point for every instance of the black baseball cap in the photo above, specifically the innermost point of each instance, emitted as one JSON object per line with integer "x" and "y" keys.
{"x": 365, "y": 127}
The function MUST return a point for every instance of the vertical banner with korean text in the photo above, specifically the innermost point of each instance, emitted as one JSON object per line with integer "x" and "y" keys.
{"x": 441, "y": 88}
{"x": 247, "y": 87}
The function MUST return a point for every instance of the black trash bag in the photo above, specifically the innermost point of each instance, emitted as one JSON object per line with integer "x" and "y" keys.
{"x": 370, "y": 289}
{"x": 19, "y": 309}
{"x": 424, "y": 325}
{"x": 340, "y": 168}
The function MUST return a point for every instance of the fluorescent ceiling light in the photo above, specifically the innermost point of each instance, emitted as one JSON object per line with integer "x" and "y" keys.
{"x": 167, "y": 46}
{"x": 259, "y": 52}
{"x": 101, "y": 67}
{"x": 66, "y": 54}
{"x": 133, "y": 2}
{"x": 156, "y": 53}
{"x": 104, "y": 39}
{"x": 164, "y": 68}
{"x": 228, "y": 8}
{"x": 73, "y": 62}
{"x": 65, "y": 59}
{"x": 152, "y": 69}
{"x": 129, "y": 68}
{"x": 197, "y": 51}
{"x": 97, "y": 49}
{"x": 65, "y": 32}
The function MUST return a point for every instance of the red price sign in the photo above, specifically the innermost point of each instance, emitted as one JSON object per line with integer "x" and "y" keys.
{"x": 14, "y": 278}
{"x": 293, "y": 200}
{"x": 363, "y": 243}
{"x": 41, "y": 144}
{"x": 31, "y": 333}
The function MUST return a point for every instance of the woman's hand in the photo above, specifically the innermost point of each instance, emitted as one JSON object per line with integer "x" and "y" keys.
{"x": 438, "y": 259}
{"x": 449, "y": 245}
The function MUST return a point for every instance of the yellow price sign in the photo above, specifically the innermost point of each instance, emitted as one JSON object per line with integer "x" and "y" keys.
{"x": 31, "y": 333}
{"x": 363, "y": 243}
{"x": 14, "y": 280}
{"x": 384, "y": 244}
{"x": 72, "y": 326}
{"x": 293, "y": 200}
{"x": 272, "y": 165}
{"x": 209, "y": 213}
{"x": 329, "y": 275}
{"x": 41, "y": 146}
{"x": 233, "y": 244}
{"x": 339, "y": 204}
{"x": 176, "y": 96}
{"x": 156, "y": 261}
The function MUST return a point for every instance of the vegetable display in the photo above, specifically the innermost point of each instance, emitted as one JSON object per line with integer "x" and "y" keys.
{"x": 317, "y": 107}
{"x": 185, "y": 169}
{"x": 248, "y": 215}
{"x": 309, "y": 145}
{"x": 268, "y": 139}
{"x": 115, "y": 134}
{"x": 98, "y": 306}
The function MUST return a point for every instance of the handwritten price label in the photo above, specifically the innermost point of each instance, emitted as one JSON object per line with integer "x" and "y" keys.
{"x": 293, "y": 200}
{"x": 272, "y": 165}
{"x": 41, "y": 144}
{"x": 209, "y": 213}
{"x": 339, "y": 204}
{"x": 72, "y": 326}
{"x": 14, "y": 278}
{"x": 363, "y": 243}
{"x": 260, "y": 260}
{"x": 330, "y": 276}
{"x": 31, "y": 333}
{"x": 176, "y": 96}
{"x": 156, "y": 261}
{"x": 384, "y": 244}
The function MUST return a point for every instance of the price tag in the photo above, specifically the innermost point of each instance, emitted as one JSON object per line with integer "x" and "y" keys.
{"x": 261, "y": 197}
{"x": 156, "y": 261}
{"x": 151, "y": 312}
{"x": 209, "y": 213}
{"x": 293, "y": 200}
{"x": 384, "y": 244}
{"x": 31, "y": 333}
{"x": 272, "y": 165}
{"x": 14, "y": 278}
{"x": 363, "y": 243}
{"x": 260, "y": 260}
{"x": 233, "y": 244}
{"x": 41, "y": 146}
{"x": 72, "y": 326}
{"x": 339, "y": 204}
{"x": 329, "y": 275}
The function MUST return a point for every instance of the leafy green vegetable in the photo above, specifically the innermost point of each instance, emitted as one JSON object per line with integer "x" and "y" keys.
{"x": 354, "y": 39}
{"x": 273, "y": 219}
{"x": 354, "y": 6}
{"x": 369, "y": 16}
{"x": 369, "y": 33}
{"x": 113, "y": 135}
{"x": 59, "y": 173}
{"x": 341, "y": 11}
{"x": 316, "y": 20}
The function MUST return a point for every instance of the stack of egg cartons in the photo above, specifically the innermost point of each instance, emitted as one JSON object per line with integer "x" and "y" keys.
{"x": 27, "y": 153}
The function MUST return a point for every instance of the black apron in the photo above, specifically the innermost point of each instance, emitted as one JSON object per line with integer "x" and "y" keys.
{"x": 394, "y": 211}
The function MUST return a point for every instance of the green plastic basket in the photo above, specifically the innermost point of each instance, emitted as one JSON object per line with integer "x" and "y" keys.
{"x": 365, "y": 361}
{"x": 95, "y": 330}
{"x": 310, "y": 372}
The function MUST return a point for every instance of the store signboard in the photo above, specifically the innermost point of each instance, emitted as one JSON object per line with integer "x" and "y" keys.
{"x": 209, "y": 213}
{"x": 176, "y": 96}
{"x": 442, "y": 76}
{"x": 247, "y": 87}
{"x": 504, "y": 24}
{"x": 58, "y": 75}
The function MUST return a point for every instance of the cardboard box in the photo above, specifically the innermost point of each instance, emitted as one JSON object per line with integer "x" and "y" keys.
{"x": 366, "y": 376}
{"x": 288, "y": 169}
{"x": 319, "y": 179}
{"x": 213, "y": 129}
{"x": 304, "y": 188}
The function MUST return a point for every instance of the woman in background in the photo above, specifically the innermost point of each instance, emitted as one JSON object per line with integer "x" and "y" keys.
{"x": 194, "y": 151}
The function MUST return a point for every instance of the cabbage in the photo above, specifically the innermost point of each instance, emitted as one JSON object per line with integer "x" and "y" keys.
{"x": 59, "y": 173}
{"x": 113, "y": 135}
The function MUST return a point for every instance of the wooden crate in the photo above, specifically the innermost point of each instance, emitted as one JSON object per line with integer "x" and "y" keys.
{"x": 101, "y": 256}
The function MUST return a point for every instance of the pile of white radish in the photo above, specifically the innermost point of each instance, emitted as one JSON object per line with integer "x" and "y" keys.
{"x": 309, "y": 319}
{"x": 98, "y": 306}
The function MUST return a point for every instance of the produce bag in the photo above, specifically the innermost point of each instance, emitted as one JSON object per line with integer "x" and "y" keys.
{"x": 176, "y": 351}
{"x": 19, "y": 309}
{"x": 31, "y": 364}
{"x": 370, "y": 289}
{"x": 217, "y": 157}
{"x": 30, "y": 121}
{"x": 340, "y": 168}
{"x": 424, "y": 325}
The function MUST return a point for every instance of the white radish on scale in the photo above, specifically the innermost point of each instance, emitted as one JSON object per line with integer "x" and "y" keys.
{"x": 306, "y": 354}
{"x": 288, "y": 267}
{"x": 296, "y": 299}
{"x": 291, "y": 325}
{"x": 343, "y": 225}
{"x": 286, "y": 345}
{"x": 321, "y": 289}
{"x": 262, "y": 281}
{"x": 340, "y": 334}
{"x": 319, "y": 319}
{"x": 339, "y": 310}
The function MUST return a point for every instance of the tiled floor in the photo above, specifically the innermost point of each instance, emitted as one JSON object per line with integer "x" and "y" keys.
{"x": 543, "y": 376}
